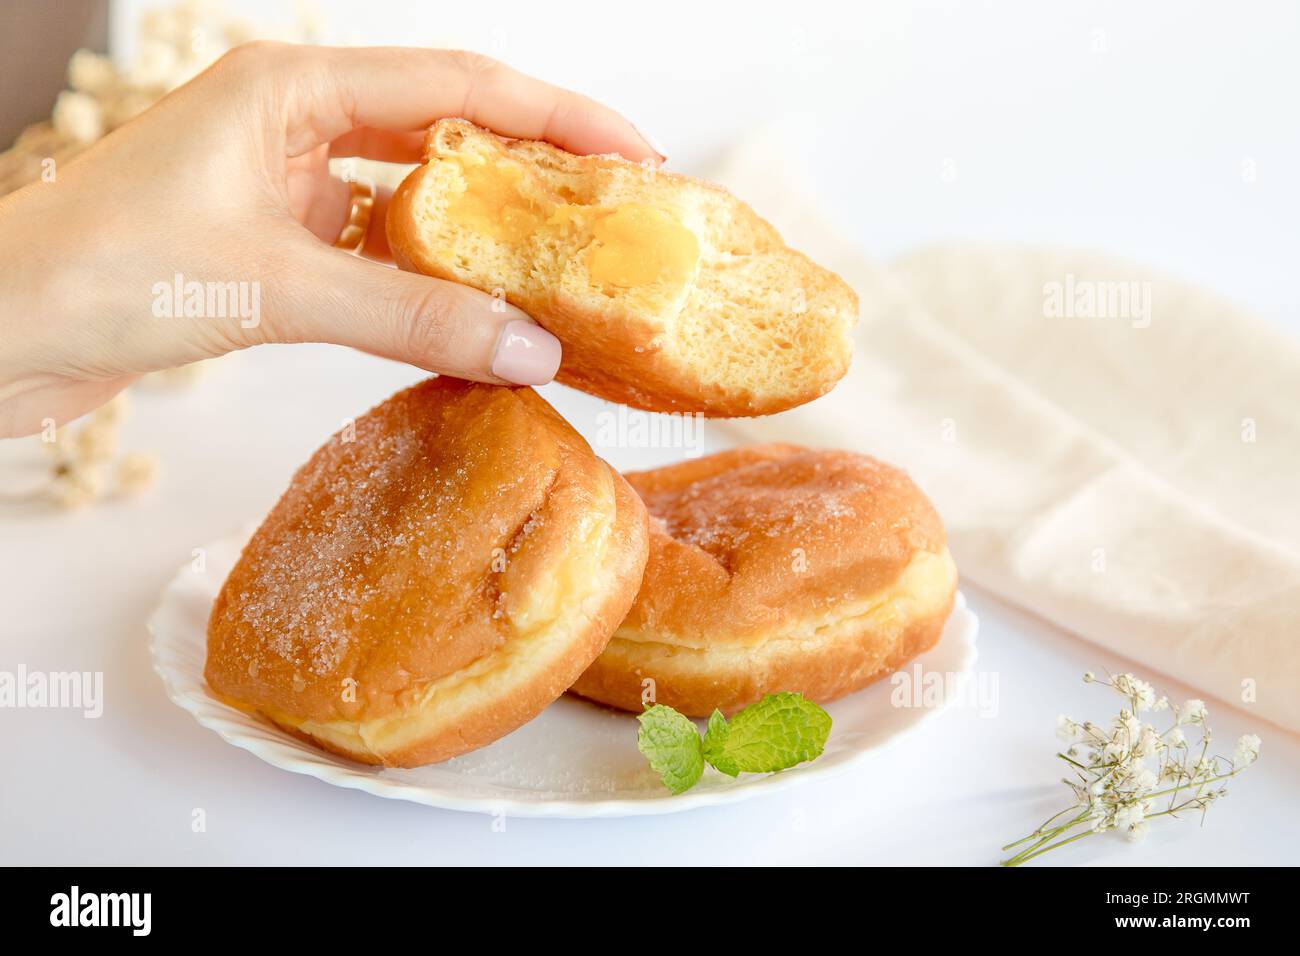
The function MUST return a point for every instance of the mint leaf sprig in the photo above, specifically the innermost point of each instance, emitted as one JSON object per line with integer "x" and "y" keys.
{"x": 672, "y": 745}
{"x": 778, "y": 732}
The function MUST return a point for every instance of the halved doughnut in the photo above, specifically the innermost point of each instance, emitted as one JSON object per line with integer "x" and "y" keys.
{"x": 776, "y": 568}
{"x": 431, "y": 581}
{"x": 667, "y": 292}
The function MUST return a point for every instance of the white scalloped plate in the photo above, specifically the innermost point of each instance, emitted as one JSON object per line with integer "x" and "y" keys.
{"x": 575, "y": 759}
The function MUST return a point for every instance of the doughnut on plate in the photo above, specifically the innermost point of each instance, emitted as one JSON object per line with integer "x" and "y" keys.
{"x": 576, "y": 759}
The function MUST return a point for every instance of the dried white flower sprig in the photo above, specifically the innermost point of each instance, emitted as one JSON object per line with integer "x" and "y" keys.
{"x": 86, "y": 465}
{"x": 1128, "y": 772}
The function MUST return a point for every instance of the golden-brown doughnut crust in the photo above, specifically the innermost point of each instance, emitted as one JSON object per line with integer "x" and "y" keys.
{"x": 432, "y": 581}
{"x": 776, "y": 568}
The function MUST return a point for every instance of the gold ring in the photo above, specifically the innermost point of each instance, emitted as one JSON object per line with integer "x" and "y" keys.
{"x": 352, "y": 238}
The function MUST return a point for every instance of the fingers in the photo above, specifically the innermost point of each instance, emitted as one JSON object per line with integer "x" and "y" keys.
{"x": 376, "y": 246}
{"x": 440, "y": 326}
{"x": 382, "y": 145}
{"x": 27, "y": 411}
{"x": 328, "y": 214}
{"x": 319, "y": 201}
{"x": 336, "y": 90}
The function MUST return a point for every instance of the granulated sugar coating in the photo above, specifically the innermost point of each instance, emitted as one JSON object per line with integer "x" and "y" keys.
{"x": 776, "y": 568}
{"x": 777, "y": 496}
{"x": 407, "y": 549}
{"x": 750, "y": 532}
{"x": 374, "y": 502}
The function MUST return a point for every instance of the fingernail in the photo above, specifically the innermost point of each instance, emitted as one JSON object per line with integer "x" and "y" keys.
{"x": 526, "y": 354}
{"x": 652, "y": 143}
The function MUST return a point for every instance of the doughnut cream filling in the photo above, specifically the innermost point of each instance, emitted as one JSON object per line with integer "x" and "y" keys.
{"x": 543, "y": 621}
{"x": 924, "y": 588}
{"x": 624, "y": 247}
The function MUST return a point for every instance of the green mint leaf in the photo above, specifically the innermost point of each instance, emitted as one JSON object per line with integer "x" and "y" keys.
{"x": 781, "y": 730}
{"x": 671, "y": 744}
{"x": 715, "y": 745}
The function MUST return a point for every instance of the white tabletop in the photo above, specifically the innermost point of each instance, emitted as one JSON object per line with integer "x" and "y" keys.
{"x": 122, "y": 788}
{"x": 1153, "y": 131}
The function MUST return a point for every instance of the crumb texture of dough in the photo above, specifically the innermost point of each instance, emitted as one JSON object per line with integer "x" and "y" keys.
{"x": 667, "y": 293}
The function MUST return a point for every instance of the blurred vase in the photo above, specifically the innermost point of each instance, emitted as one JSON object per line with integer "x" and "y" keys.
{"x": 36, "y": 39}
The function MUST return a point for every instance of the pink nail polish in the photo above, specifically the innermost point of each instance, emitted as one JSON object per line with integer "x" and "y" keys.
{"x": 652, "y": 143}
{"x": 526, "y": 354}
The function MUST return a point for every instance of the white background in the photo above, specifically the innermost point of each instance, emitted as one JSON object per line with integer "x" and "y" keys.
{"x": 1162, "y": 131}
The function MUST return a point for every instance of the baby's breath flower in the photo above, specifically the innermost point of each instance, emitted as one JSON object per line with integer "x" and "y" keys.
{"x": 154, "y": 64}
{"x": 78, "y": 116}
{"x": 1092, "y": 732}
{"x": 1139, "y": 691}
{"x": 78, "y": 485}
{"x": 1148, "y": 743}
{"x": 135, "y": 472}
{"x": 97, "y": 441}
{"x": 1130, "y": 815}
{"x": 90, "y": 72}
{"x": 1138, "y": 832}
{"x": 85, "y": 465}
{"x": 1145, "y": 780}
{"x": 1247, "y": 751}
{"x": 1089, "y": 677}
{"x": 113, "y": 411}
{"x": 1128, "y": 765}
{"x": 1066, "y": 729}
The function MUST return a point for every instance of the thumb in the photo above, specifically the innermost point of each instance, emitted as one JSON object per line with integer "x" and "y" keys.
{"x": 437, "y": 325}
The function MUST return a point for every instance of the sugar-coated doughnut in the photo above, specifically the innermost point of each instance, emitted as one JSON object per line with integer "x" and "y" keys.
{"x": 431, "y": 580}
{"x": 668, "y": 293}
{"x": 776, "y": 568}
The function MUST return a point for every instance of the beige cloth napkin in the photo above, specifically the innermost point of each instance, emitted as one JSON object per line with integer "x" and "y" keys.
{"x": 1133, "y": 476}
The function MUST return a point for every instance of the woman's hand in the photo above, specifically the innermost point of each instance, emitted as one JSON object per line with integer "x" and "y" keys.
{"x": 225, "y": 182}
